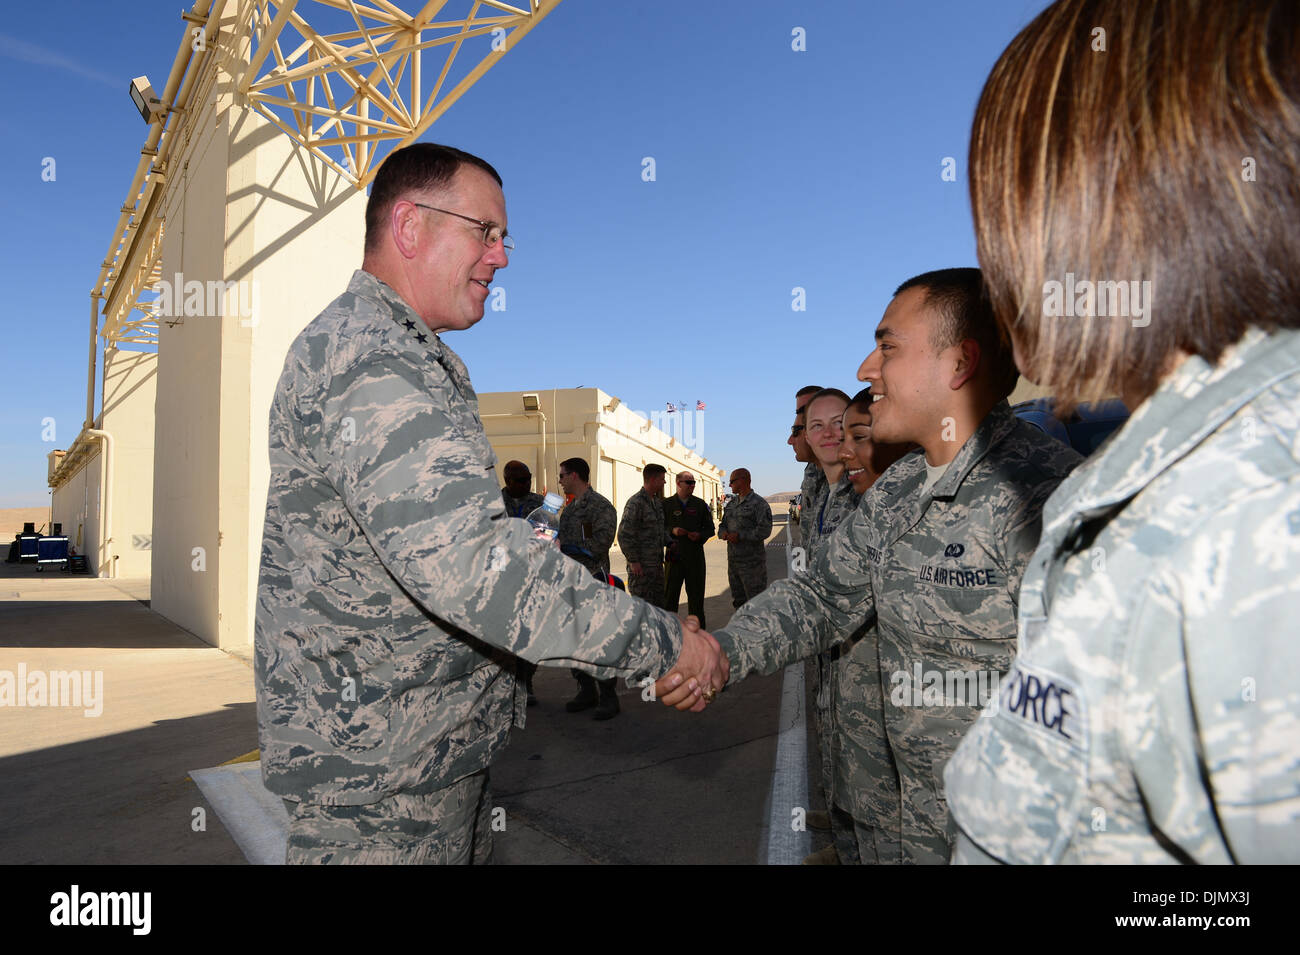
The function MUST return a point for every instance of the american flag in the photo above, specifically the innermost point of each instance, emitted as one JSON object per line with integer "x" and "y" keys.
{"x": 699, "y": 406}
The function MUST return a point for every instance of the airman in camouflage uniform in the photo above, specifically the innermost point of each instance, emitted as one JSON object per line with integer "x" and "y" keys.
{"x": 823, "y": 513}
{"x": 865, "y": 792}
{"x": 938, "y": 572}
{"x": 587, "y": 527}
{"x": 814, "y": 482}
{"x": 394, "y": 594}
{"x": 1153, "y": 711}
{"x": 749, "y": 517}
{"x": 589, "y": 522}
{"x": 826, "y": 504}
{"x": 641, "y": 537}
{"x": 858, "y": 771}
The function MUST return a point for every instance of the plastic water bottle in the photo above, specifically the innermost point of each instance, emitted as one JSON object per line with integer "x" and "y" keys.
{"x": 546, "y": 519}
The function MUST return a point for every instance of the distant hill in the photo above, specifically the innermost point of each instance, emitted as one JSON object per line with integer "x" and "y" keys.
{"x": 783, "y": 498}
{"x": 13, "y": 518}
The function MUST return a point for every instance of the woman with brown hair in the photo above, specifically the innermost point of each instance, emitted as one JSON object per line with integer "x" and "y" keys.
{"x": 1135, "y": 183}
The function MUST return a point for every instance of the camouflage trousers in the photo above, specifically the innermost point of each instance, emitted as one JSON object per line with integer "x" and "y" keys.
{"x": 450, "y": 826}
{"x": 648, "y": 585}
{"x": 865, "y": 780}
{"x": 824, "y": 722}
{"x": 857, "y": 843}
{"x": 747, "y": 577}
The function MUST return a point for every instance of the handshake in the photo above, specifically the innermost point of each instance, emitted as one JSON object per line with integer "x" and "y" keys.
{"x": 699, "y": 673}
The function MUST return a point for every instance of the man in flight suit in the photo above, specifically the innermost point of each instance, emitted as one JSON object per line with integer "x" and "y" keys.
{"x": 690, "y": 523}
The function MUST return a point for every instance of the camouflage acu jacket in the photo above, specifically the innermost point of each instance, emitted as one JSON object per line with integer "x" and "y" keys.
{"x": 1153, "y": 713}
{"x": 393, "y": 588}
{"x": 521, "y": 507}
{"x": 641, "y": 535}
{"x": 813, "y": 483}
{"x": 750, "y": 517}
{"x": 939, "y": 573}
{"x": 829, "y": 506}
{"x": 589, "y": 522}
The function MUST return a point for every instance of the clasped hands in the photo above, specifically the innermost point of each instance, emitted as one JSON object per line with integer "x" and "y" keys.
{"x": 699, "y": 673}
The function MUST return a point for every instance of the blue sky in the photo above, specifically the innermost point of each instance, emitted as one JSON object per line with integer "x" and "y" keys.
{"x": 774, "y": 169}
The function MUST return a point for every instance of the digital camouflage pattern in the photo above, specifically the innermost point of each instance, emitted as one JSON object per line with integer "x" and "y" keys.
{"x": 939, "y": 574}
{"x": 810, "y": 492}
{"x": 1153, "y": 714}
{"x": 750, "y": 517}
{"x": 641, "y": 538}
{"x": 589, "y": 522}
{"x": 813, "y": 482}
{"x": 450, "y": 826}
{"x": 393, "y": 588}
{"x": 823, "y": 512}
{"x": 521, "y": 507}
{"x": 858, "y": 765}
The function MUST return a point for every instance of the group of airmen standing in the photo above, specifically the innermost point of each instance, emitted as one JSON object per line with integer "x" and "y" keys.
{"x": 655, "y": 533}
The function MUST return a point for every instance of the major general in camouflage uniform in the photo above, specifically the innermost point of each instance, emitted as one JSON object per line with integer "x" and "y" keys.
{"x": 394, "y": 593}
{"x": 518, "y": 495}
{"x": 1153, "y": 712}
{"x": 936, "y": 550}
{"x": 641, "y": 536}
{"x": 746, "y": 526}
{"x": 587, "y": 528}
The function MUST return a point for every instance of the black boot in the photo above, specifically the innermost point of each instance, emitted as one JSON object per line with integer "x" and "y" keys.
{"x": 586, "y": 697}
{"x": 608, "y": 708}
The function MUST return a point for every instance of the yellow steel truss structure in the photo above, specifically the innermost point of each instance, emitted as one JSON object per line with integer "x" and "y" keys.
{"x": 376, "y": 80}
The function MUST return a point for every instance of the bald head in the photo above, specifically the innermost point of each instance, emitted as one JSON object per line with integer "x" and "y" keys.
{"x": 740, "y": 481}
{"x": 685, "y": 484}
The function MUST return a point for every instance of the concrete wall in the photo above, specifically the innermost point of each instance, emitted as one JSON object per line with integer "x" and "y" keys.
{"x": 256, "y": 210}
{"x": 298, "y": 230}
{"x": 77, "y": 507}
{"x": 130, "y": 384}
{"x": 615, "y": 440}
{"x": 187, "y": 451}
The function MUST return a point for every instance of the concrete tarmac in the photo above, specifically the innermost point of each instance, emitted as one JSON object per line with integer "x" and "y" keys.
{"x": 650, "y": 786}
